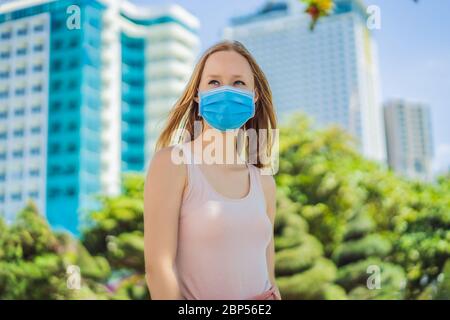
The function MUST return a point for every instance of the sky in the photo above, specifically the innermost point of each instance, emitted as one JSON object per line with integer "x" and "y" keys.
{"x": 413, "y": 49}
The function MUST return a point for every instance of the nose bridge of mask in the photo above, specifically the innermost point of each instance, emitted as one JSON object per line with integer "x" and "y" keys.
{"x": 227, "y": 89}
{"x": 219, "y": 96}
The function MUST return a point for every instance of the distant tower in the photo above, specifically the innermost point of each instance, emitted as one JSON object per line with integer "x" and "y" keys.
{"x": 409, "y": 138}
{"x": 331, "y": 73}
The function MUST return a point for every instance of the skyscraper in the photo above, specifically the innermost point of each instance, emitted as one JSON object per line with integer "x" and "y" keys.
{"x": 329, "y": 73}
{"x": 409, "y": 138}
{"x": 84, "y": 86}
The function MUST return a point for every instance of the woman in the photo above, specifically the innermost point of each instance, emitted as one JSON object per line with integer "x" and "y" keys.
{"x": 209, "y": 224}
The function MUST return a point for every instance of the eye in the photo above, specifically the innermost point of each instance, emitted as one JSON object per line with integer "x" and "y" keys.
{"x": 214, "y": 82}
{"x": 240, "y": 82}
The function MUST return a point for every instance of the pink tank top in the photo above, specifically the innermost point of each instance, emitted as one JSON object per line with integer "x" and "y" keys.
{"x": 222, "y": 241}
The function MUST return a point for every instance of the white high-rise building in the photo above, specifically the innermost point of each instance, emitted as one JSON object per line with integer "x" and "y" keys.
{"x": 330, "y": 73}
{"x": 84, "y": 88}
{"x": 409, "y": 138}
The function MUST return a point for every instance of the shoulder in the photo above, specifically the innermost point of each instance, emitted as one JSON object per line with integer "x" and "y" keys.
{"x": 269, "y": 188}
{"x": 166, "y": 164}
{"x": 268, "y": 184}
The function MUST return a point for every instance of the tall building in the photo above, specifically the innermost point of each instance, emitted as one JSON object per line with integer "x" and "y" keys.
{"x": 84, "y": 87}
{"x": 409, "y": 138}
{"x": 329, "y": 73}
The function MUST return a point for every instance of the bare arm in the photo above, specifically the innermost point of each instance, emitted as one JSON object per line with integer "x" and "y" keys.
{"x": 163, "y": 191}
{"x": 269, "y": 187}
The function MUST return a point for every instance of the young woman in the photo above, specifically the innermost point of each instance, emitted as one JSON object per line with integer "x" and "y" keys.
{"x": 209, "y": 224}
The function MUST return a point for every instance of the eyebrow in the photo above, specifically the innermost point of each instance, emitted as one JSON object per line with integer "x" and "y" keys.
{"x": 218, "y": 76}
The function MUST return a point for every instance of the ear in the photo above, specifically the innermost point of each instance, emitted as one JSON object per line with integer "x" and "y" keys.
{"x": 256, "y": 96}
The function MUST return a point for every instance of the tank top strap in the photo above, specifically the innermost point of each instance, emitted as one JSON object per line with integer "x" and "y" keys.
{"x": 255, "y": 176}
{"x": 188, "y": 161}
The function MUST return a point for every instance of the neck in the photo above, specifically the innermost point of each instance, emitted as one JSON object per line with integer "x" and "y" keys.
{"x": 217, "y": 147}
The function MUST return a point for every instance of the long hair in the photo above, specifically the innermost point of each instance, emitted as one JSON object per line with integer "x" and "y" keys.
{"x": 185, "y": 111}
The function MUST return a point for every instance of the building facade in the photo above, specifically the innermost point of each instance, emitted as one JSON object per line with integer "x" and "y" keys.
{"x": 84, "y": 89}
{"x": 330, "y": 73}
{"x": 409, "y": 138}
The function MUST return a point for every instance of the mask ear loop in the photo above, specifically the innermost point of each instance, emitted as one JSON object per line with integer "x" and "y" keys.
{"x": 197, "y": 119}
{"x": 240, "y": 144}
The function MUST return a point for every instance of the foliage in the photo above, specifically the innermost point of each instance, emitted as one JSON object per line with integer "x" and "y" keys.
{"x": 338, "y": 215}
{"x": 363, "y": 213}
{"x": 34, "y": 260}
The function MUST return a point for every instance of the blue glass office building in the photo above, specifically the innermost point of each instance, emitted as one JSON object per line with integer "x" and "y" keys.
{"x": 81, "y": 99}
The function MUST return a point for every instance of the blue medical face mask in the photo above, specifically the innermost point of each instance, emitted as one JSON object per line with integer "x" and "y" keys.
{"x": 226, "y": 107}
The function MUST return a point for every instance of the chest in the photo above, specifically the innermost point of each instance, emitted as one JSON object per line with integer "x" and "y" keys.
{"x": 231, "y": 183}
{"x": 232, "y": 223}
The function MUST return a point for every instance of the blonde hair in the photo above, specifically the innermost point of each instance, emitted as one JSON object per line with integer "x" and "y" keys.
{"x": 185, "y": 111}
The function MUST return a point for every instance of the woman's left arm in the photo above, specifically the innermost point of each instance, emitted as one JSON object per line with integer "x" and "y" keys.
{"x": 270, "y": 188}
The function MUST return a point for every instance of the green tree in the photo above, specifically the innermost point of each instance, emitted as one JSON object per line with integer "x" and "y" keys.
{"x": 363, "y": 213}
{"x": 34, "y": 260}
{"x": 302, "y": 271}
{"x": 117, "y": 234}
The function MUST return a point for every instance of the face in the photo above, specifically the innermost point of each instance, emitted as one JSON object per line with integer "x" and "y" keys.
{"x": 226, "y": 68}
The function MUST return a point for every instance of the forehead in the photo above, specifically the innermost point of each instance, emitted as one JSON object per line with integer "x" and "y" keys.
{"x": 227, "y": 62}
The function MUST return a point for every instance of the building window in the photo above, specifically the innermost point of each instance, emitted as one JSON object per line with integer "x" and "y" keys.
{"x": 72, "y": 84}
{"x": 56, "y": 85}
{"x": 56, "y": 106}
{"x": 57, "y": 65}
{"x": 73, "y": 42}
{"x": 4, "y": 94}
{"x": 36, "y": 130}
{"x": 34, "y": 172}
{"x": 36, "y": 109}
{"x": 38, "y": 28}
{"x": 57, "y": 24}
{"x": 3, "y": 135}
{"x": 21, "y": 51}
{"x": 72, "y": 126}
{"x": 37, "y": 68}
{"x": 53, "y": 192}
{"x": 55, "y": 127}
{"x": 73, "y": 64}
{"x": 6, "y": 35}
{"x": 19, "y": 112}
{"x": 70, "y": 191}
{"x": 3, "y": 156}
{"x": 21, "y": 71}
{"x": 57, "y": 44}
{"x": 35, "y": 151}
{"x": 2, "y": 177}
{"x": 20, "y": 91}
{"x": 54, "y": 148}
{"x": 38, "y": 47}
{"x": 37, "y": 88}
{"x": 34, "y": 194}
{"x": 70, "y": 169}
{"x": 17, "y": 153}
{"x": 5, "y": 54}
{"x": 22, "y": 32}
{"x": 18, "y": 133}
{"x": 71, "y": 148}
{"x": 73, "y": 104}
{"x": 16, "y": 196}
{"x": 4, "y": 74}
